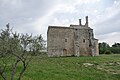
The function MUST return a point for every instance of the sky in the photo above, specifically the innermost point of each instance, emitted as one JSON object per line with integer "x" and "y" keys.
{"x": 34, "y": 16}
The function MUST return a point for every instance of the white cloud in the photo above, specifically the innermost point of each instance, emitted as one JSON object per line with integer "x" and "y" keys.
{"x": 12, "y": 3}
{"x": 108, "y": 21}
{"x": 95, "y": 11}
{"x": 108, "y": 12}
{"x": 115, "y": 2}
{"x": 36, "y": 15}
{"x": 67, "y": 9}
{"x": 39, "y": 26}
{"x": 110, "y": 38}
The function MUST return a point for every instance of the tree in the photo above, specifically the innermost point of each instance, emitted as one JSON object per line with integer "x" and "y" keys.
{"x": 115, "y": 48}
{"x": 116, "y": 45}
{"x": 17, "y": 49}
{"x": 38, "y": 44}
{"x": 103, "y": 47}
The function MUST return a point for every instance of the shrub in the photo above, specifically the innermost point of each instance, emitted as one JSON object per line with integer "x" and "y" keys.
{"x": 107, "y": 52}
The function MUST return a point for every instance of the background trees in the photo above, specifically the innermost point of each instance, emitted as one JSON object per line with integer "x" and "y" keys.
{"x": 16, "y": 50}
{"x": 116, "y": 45}
{"x": 104, "y": 48}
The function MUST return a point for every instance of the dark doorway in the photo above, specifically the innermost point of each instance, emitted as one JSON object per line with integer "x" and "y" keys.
{"x": 65, "y": 51}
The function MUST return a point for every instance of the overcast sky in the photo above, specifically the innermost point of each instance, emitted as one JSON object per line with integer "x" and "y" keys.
{"x": 34, "y": 16}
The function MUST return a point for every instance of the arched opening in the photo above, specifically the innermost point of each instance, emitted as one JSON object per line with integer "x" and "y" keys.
{"x": 64, "y": 51}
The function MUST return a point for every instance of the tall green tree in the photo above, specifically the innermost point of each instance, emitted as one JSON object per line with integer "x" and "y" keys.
{"x": 103, "y": 47}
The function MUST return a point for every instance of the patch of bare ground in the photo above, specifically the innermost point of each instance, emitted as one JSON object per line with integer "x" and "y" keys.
{"x": 109, "y": 67}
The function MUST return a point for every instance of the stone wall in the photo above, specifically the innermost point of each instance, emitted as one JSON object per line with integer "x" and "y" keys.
{"x": 60, "y": 41}
{"x": 76, "y": 40}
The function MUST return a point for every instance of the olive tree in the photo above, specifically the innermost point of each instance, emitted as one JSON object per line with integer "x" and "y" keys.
{"x": 17, "y": 49}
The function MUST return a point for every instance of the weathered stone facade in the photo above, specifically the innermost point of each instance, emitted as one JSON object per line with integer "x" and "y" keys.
{"x": 76, "y": 40}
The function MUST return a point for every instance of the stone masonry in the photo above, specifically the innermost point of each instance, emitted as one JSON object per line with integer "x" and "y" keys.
{"x": 76, "y": 40}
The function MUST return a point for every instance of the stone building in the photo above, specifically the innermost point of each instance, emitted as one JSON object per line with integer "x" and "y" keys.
{"x": 76, "y": 40}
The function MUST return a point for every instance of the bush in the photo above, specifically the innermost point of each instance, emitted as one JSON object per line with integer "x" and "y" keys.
{"x": 107, "y": 52}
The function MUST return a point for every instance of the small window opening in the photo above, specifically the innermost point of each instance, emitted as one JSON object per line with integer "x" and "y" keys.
{"x": 83, "y": 40}
{"x": 65, "y": 40}
{"x": 90, "y": 45}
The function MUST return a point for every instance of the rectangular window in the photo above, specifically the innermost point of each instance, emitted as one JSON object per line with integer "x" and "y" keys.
{"x": 83, "y": 40}
{"x": 65, "y": 40}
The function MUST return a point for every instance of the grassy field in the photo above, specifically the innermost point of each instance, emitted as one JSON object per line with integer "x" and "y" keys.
{"x": 103, "y": 67}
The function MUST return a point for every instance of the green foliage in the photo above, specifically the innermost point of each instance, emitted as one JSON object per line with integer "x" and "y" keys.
{"x": 115, "y": 50}
{"x": 19, "y": 50}
{"x": 116, "y": 45}
{"x": 104, "y": 67}
{"x": 105, "y": 48}
{"x": 38, "y": 44}
{"x": 108, "y": 52}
